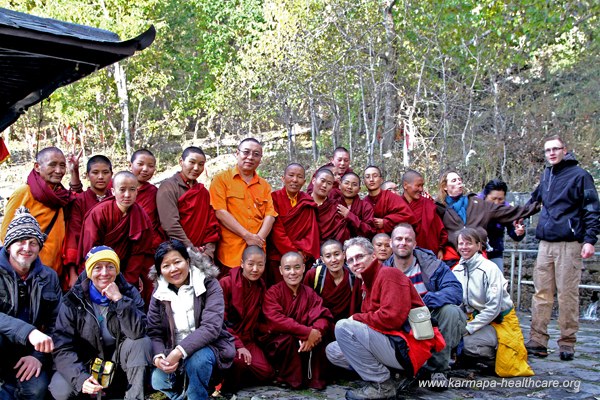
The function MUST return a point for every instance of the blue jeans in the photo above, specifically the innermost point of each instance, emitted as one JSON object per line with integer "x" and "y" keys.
{"x": 198, "y": 369}
{"x": 34, "y": 388}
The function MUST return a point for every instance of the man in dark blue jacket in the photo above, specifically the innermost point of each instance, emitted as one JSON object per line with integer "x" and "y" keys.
{"x": 440, "y": 290}
{"x": 568, "y": 228}
{"x": 29, "y": 298}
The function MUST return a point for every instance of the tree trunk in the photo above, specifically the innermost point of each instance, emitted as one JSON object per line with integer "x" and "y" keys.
{"x": 313, "y": 125}
{"x": 123, "y": 96}
{"x": 390, "y": 91}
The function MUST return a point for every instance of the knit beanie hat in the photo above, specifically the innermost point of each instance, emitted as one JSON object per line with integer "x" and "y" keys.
{"x": 101, "y": 253}
{"x": 23, "y": 226}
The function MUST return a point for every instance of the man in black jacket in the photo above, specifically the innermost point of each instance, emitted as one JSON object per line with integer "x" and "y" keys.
{"x": 568, "y": 228}
{"x": 29, "y": 298}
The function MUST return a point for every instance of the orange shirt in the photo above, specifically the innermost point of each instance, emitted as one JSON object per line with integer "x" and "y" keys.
{"x": 248, "y": 203}
{"x": 51, "y": 253}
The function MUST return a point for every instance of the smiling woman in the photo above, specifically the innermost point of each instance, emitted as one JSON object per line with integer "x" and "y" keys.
{"x": 185, "y": 322}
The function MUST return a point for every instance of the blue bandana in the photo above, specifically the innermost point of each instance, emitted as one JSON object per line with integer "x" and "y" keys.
{"x": 459, "y": 205}
{"x": 97, "y": 297}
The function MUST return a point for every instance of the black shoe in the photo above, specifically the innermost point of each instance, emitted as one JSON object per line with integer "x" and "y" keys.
{"x": 536, "y": 349}
{"x": 567, "y": 353}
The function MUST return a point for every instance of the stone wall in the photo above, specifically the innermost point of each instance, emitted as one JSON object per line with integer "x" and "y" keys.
{"x": 590, "y": 275}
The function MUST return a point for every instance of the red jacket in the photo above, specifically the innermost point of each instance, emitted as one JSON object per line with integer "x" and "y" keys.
{"x": 390, "y": 295}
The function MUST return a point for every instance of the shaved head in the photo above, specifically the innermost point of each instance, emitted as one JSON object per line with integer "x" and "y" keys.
{"x": 251, "y": 250}
{"x": 123, "y": 175}
{"x": 41, "y": 156}
{"x": 292, "y": 165}
{"x": 410, "y": 175}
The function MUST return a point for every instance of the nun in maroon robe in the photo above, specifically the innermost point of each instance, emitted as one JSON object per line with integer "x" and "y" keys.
{"x": 243, "y": 302}
{"x": 294, "y": 317}
{"x": 295, "y": 229}
{"x": 390, "y": 207}
{"x": 431, "y": 233}
{"x": 336, "y": 297}
{"x": 147, "y": 199}
{"x": 125, "y": 228}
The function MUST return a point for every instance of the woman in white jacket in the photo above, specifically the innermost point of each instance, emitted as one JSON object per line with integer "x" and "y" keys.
{"x": 493, "y": 331}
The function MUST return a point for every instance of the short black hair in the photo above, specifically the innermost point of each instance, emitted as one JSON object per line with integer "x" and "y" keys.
{"x": 192, "y": 149}
{"x": 140, "y": 152}
{"x": 495, "y": 184}
{"x": 98, "y": 159}
{"x": 164, "y": 248}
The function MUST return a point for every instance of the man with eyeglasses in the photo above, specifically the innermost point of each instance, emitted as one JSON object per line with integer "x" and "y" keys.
{"x": 379, "y": 338}
{"x": 567, "y": 229}
{"x": 28, "y": 309}
{"x": 243, "y": 205}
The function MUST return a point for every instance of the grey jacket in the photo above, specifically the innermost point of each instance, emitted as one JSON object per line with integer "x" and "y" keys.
{"x": 209, "y": 308}
{"x": 44, "y": 295}
{"x": 484, "y": 290}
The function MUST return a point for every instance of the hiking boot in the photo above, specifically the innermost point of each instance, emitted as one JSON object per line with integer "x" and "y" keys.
{"x": 439, "y": 382}
{"x": 567, "y": 353}
{"x": 536, "y": 349}
{"x": 373, "y": 391}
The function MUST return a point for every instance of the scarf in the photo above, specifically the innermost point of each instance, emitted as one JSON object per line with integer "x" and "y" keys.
{"x": 459, "y": 205}
{"x": 41, "y": 192}
{"x": 97, "y": 297}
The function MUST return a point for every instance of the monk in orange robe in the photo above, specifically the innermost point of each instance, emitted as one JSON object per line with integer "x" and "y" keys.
{"x": 47, "y": 199}
{"x": 296, "y": 322}
{"x": 243, "y": 292}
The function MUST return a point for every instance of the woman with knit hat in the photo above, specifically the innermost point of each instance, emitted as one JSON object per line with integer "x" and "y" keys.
{"x": 102, "y": 316}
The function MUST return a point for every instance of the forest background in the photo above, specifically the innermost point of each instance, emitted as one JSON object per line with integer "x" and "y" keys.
{"x": 469, "y": 84}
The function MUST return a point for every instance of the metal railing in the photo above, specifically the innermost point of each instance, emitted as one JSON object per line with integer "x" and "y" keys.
{"x": 520, "y": 281}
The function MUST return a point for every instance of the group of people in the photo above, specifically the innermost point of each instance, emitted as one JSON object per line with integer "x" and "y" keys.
{"x": 239, "y": 285}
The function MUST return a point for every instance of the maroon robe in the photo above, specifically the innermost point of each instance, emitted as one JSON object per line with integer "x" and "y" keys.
{"x": 295, "y": 228}
{"x": 392, "y": 209}
{"x": 129, "y": 235}
{"x": 289, "y": 319}
{"x": 331, "y": 223}
{"x": 336, "y": 184}
{"x": 243, "y": 302}
{"x": 146, "y": 198}
{"x": 197, "y": 217}
{"x": 431, "y": 233}
{"x": 79, "y": 207}
{"x": 336, "y": 298}
{"x": 360, "y": 218}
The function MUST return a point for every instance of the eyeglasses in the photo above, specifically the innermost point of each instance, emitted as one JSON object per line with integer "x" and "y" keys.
{"x": 553, "y": 150}
{"x": 248, "y": 153}
{"x": 356, "y": 259}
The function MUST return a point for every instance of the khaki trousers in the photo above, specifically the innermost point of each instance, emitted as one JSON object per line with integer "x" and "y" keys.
{"x": 557, "y": 269}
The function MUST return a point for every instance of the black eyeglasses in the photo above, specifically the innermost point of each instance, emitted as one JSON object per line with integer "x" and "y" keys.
{"x": 553, "y": 150}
